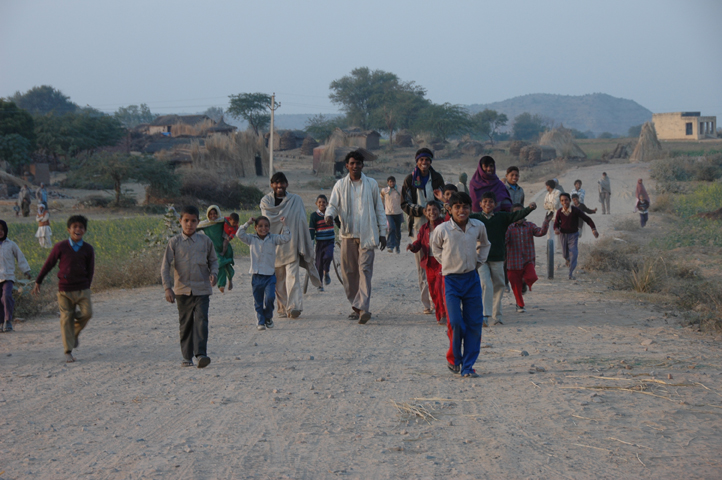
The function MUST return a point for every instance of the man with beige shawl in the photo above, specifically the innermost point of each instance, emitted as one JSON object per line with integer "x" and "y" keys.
{"x": 356, "y": 200}
{"x": 294, "y": 255}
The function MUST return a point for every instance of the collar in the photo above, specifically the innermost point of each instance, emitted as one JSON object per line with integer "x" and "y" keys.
{"x": 567, "y": 212}
{"x": 188, "y": 237}
{"x": 74, "y": 244}
{"x": 513, "y": 186}
{"x": 323, "y": 214}
{"x": 487, "y": 215}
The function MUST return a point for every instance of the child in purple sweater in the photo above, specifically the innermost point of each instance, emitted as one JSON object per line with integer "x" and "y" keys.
{"x": 566, "y": 225}
{"x": 77, "y": 266}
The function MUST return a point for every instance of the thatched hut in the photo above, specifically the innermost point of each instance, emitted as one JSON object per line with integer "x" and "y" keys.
{"x": 648, "y": 146}
{"x": 515, "y": 147}
{"x": 562, "y": 140}
{"x": 355, "y": 137}
{"x": 537, "y": 153}
{"x": 309, "y": 143}
{"x": 473, "y": 148}
{"x": 331, "y": 158}
{"x": 221, "y": 127}
{"x": 242, "y": 154}
{"x": 404, "y": 138}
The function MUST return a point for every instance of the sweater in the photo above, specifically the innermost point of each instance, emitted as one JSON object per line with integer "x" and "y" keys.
{"x": 570, "y": 223}
{"x": 76, "y": 268}
{"x": 410, "y": 202}
{"x": 318, "y": 228}
{"x": 422, "y": 242}
{"x": 496, "y": 226}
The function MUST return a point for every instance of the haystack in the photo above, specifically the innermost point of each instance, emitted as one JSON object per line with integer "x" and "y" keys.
{"x": 620, "y": 151}
{"x": 473, "y": 148}
{"x": 515, "y": 147}
{"x": 404, "y": 138}
{"x": 309, "y": 143}
{"x": 648, "y": 147}
{"x": 287, "y": 141}
{"x": 537, "y": 153}
{"x": 231, "y": 155}
{"x": 332, "y": 156}
{"x": 562, "y": 140}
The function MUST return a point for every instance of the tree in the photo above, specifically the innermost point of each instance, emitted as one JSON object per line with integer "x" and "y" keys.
{"x": 15, "y": 149}
{"x": 70, "y": 134}
{"x": 359, "y": 94}
{"x": 396, "y": 105}
{"x": 253, "y": 108}
{"x": 17, "y": 134}
{"x": 43, "y": 100}
{"x": 321, "y": 127}
{"x": 527, "y": 126}
{"x": 214, "y": 113}
{"x": 488, "y": 122}
{"x": 444, "y": 120}
{"x": 133, "y": 115}
{"x": 606, "y": 135}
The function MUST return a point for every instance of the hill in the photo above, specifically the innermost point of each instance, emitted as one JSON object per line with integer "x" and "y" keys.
{"x": 597, "y": 112}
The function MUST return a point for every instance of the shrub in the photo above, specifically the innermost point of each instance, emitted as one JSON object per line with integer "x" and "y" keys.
{"x": 668, "y": 170}
{"x": 228, "y": 194}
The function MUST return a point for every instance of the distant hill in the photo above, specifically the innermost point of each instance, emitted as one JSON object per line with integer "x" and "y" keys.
{"x": 597, "y": 112}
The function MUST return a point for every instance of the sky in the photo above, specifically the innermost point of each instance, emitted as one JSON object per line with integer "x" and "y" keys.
{"x": 185, "y": 56}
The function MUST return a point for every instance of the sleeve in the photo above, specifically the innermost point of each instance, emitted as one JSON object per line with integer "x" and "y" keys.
{"x": 407, "y": 204}
{"x": 483, "y": 245}
{"x": 91, "y": 265}
{"x": 558, "y": 220}
{"x": 284, "y": 237}
{"x": 167, "y": 265}
{"x": 541, "y": 231}
{"x": 312, "y": 224}
{"x": 416, "y": 244}
{"x": 22, "y": 262}
{"x": 242, "y": 235}
{"x": 334, "y": 203}
{"x": 337, "y": 221}
{"x": 380, "y": 212}
{"x": 588, "y": 220}
{"x": 436, "y": 243}
{"x": 522, "y": 195}
{"x": 636, "y": 206}
{"x": 212, "y": 259}
{"x": 50, "y": 263}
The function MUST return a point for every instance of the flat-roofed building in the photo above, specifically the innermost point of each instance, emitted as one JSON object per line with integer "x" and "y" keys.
{"x": 684, "y": 126}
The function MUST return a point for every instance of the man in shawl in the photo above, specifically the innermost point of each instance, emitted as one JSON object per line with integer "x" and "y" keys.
{"x": 420, "y": 187}
{"x": 24, "y": 201}
{"x": 294, "y": 255}
{"x": 356, "y": 200}
{"x": 485, "y": 180}
{"x": 605, "y": 193}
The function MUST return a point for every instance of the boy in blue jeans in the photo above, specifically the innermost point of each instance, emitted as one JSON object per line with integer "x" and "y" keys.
{"x": 263, "y": 265}
{"x": 461, "y": 246}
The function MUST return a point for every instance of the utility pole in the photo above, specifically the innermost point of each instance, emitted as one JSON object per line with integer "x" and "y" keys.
{"x": 273, "y": 108}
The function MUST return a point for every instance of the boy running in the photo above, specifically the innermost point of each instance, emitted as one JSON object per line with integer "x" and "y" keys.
{"x": 189, "y": 272}
{"x": 75, "y": 275}
{"x": 566, "y": 225}
{"x": 325, "y": 239}
{"x": 461, "y": 246}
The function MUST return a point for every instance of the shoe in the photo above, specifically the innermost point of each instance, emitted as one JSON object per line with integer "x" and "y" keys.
{"x": 365, "y": 317}
{"x": 353, "y": 316}
{"x": 281, "y": 315}
{"x": 472, "y": 374}
{"x": 523, "y": 288}
{"x": 390, "y": 250}
{"x": 203, "y": 361}
{"x": 428, "y": 311}
{"x": 327, "y": 279}
{"x": 520, "y": 309}
{"x": 320, "y": 288}
{"x": 8, "y": 326}
{"x": 295, "y": 313}
{"x": 269, "y": 323}
{"x": 260, "y": 327}
{"x": 398, "y": 250}
{"x": 187, "y": 363}
{"x": 572, "y": 277}
{"x": 456, "y": 369}
{"x": 497, "y": 322}
{"x": 485, "y": 322}
{"x": 507, "y": 288}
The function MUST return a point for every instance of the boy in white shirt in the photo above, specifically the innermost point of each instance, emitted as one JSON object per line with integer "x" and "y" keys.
{"x": 263, "y": 265}
{"x": 461, "y": 246}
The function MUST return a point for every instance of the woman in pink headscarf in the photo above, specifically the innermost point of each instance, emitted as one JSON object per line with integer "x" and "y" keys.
{"x": 485, "y": 180}
{"x": 641, "y": 191}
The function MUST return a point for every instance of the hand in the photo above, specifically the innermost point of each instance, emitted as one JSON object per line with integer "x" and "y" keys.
{"x": 169, "y": 295}
{"x": 28, "y": 275}
{"x": 329, "y": 220}
{"x": 439, "y": 195}
{"x": 214, "y": 280}
{"x": 382, "y": 243}
{"x": 596, "y": 234}
{"x": 532, "y": 205}
{"x": 408, "y": 247}
{"x": 36, "y": 289}
{"x": 550, "y": 215}
{"x": 251, "y": 220}
{"x": 556, "y": 232}
{"x": 283, "y": 220}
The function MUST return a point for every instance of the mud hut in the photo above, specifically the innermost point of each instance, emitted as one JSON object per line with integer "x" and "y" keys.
{"x": 331, "y": 161}
{"x": 404, "y": 138}
{"x": 537, "y": 153}
{"x": 562, "y": 140}
{"x": 309, "y": 143}
{"x": 242, "y": 154}
{"x": 473, "y": 148}
{"x": 648, "y": 146}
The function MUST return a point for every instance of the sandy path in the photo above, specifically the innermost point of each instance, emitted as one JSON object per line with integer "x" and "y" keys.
{"x": 312, "y": 398}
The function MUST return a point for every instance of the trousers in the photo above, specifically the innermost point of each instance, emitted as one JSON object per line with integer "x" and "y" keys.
{"x": 264, "y": 294}
{"x": 466, "y": 313}
{"x": 71, "y": 324}
{"x": 518, "y": 277}
{"x": 394, "y": 238}
{"x": 570, "y": 250}
{"x": 7, "y": 303}
{"x": 324, "y": 256}
{"x": 492, "y": 284}
{"x": 643, "y": 217}
{"x": 423, "y": 284}
{"x": 357, "y": 268}
{"x": 288, "y": 288}
{"x": 436, "y": 287}
{"x": 604, "y": 198}
{"x": 193, "y": 319}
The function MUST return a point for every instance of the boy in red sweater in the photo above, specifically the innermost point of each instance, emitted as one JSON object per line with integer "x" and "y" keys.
{"x": 432, "y": 212}
{"x": 566, "y": 225}
{"x": 77, "y": 266}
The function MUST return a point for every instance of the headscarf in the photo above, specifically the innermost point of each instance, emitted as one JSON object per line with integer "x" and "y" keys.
{"x": 483, "y": 182}
{"x": 208, "y": 223}
{"x": 5, "y": 230}
{"x": 641, "y": 191}
{"x": 41, "y": 207}
{"x": 418, "y": 181}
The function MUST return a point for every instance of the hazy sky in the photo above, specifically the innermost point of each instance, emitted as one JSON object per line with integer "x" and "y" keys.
{"x": 184, "y": 56}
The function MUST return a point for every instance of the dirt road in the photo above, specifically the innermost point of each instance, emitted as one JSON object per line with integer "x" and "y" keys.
{"x": 609, "y": 389}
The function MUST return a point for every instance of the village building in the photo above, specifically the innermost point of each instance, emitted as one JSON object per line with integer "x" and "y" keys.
{"x": 355, "y": 137}
{"x": 684, "y": 126}
{"x": 221, "y": 127}
{"x": 165, "y": 123}
{"x": 285, "y": 139}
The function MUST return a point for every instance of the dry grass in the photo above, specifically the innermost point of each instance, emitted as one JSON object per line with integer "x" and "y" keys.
{"x": 230, "y": 155}
{"x": 198, "y": 130}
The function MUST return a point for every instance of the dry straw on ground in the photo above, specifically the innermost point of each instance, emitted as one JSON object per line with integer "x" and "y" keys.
{"x": 562, "y": 140}
{"x": 648, "y": 147}
{"x": 233, "y": 154}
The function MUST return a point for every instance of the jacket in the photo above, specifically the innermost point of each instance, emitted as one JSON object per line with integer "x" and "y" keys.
{"x": 409, "y": 197}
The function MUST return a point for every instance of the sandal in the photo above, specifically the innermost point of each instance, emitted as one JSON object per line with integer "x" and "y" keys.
{"x": 454, "y": 368}
{"x": 353, "y": 316}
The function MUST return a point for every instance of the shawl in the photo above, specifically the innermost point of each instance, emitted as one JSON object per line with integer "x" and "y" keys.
{"x": 207, "y": 223}
{"x": 418, "y": 181}
{"x": 483, "y": 182}
{"x": 604, "y": 186}
{"x": 301, "y": 246}
{"x": 641, "y": 191}
{"x": 342, "y": 204}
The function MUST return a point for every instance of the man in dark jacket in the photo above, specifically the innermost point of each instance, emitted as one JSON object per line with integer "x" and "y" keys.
{"x": 421, "y": 186}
